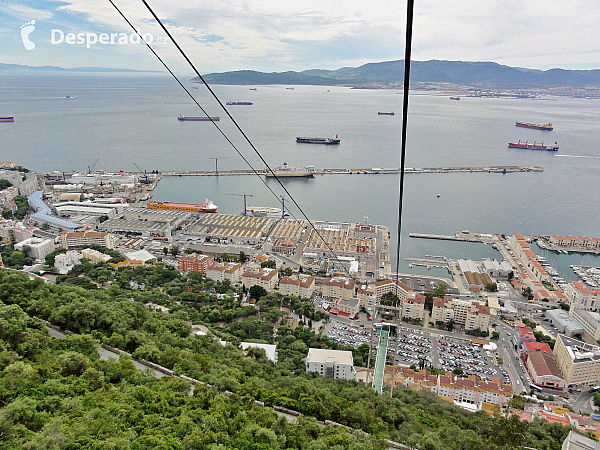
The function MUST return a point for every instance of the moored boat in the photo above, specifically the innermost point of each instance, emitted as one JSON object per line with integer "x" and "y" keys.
{"x": 535, "y": 126}
{"x": 206, "y": 207}
{"x": 286, "y": 171}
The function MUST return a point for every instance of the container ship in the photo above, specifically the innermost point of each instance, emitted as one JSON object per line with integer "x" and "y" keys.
{"x": 310, "y": 140}
{"x": 535, "y": 146}
{"x": 391, "y": 113}
{"x": 206, "y": 207}
{"x": 198, "y": 119}
{"x": 535, "y": 126}
{"x": 7, "y": 119}
{"x": 238, "y": 103}
{"x": 286, "y": 171}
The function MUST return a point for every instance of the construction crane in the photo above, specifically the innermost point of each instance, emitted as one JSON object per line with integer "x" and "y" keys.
{"x": 140, "y": 169}
{"x": 217, "y": 164}
{"x": 91, "y": 169}
{"x": 243, "y": 195}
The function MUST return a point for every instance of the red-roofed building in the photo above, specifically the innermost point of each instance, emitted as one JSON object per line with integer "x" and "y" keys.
{"x": 194, "y": 262}
{"x": 579, "y": 295}
{"x": 521, "y": 335}
{"x": 338, "y": 287}
{"x": 224, "y": 271}
{"x": 302, "y": 286}
{"x": 543, "y": 370}
{"x": 413, "y": 307}
{"x": 265, "y": 278}
{"x": 533, "y": 346}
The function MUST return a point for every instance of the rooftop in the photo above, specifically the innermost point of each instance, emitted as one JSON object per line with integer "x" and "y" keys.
{"x": 321, "y": 355}
{"x": 544, "y": 364}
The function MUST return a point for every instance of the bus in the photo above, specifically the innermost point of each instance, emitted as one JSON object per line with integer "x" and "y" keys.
{"x": 535, "y": 388}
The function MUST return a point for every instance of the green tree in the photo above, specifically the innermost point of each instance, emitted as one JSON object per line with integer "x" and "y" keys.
{"x": 257, "y": 292}
{"x": 564, "y": 306}
{"x": 174, "y": 250}
{"x": 243, "y": 257}
{"x": 270, "y": 264}
{"x": 440, "y": 290}
{"x": 457, "y": 371}
{"x": 491, "y": 287}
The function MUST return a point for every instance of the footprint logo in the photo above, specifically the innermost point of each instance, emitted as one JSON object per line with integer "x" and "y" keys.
{"x": 26, "y": 30}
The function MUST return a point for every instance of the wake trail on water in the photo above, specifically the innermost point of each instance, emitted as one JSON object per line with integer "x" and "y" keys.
{"x": 530, "y": 203}
{"x": 578, "y": 156}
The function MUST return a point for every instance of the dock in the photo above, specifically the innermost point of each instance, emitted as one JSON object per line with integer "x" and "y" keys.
{"x": 369, "y": 171}
{"x": 462, "y": 236}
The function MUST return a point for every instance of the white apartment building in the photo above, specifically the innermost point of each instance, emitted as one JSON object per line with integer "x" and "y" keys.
{"x": 81, "y": 239}
{"x": 338, "y": 287}
{"x": 65, "y": 261}
{"x": 579, "y": 362}
{"x": 300, "y": 285}
{"x": 579, "y": 295}
{"x": 469, "y": 314}
{"x": 414, "y": 307}
{"x": 95, "y": 256}
{"x": 336, "y": 364}
{"x": 265, "y": 278}
{"x": 224, "y": 271}
{"x": 39, "y": 247}
{"x": 589, "y": 320}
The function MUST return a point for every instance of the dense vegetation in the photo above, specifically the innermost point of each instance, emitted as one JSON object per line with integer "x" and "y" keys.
{"x": 57, "y": 394}
{"x": 22, "y": 208}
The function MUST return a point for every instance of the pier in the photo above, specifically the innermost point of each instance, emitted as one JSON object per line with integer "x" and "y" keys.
{"x": 369, "y": 171}
{"x": 462, "y": 236}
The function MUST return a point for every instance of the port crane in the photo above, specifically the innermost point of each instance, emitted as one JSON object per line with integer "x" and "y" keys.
{"x": 243, "y": 195}
{"x": 93, "y": 166}
{"x": 140, "y": 169}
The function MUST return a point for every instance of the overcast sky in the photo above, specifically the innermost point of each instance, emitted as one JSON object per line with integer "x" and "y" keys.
{"x": 279, "y": 35}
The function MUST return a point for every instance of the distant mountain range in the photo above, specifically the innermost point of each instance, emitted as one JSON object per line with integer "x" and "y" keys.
{"x": 483, "y": 74}
{"x": 18, "y": 68}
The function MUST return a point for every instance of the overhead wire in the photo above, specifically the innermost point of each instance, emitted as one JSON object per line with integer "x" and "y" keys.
{"x": 230, "y": 117}
{"x": 407, "y": 56}
{"x": 194, "y": 100}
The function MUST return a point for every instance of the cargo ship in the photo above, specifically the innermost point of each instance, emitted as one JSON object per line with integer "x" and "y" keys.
{"x": 454, "y": 98}
{"x": 198, "y": 118}
{"x": 206, "y": 207}
{"x": 535, "y": 126}
{"x": 7, "y": 119}
{"x": 310, "y": 140}
{"x": 286, "y": 171}
{"x": 230, "y": 103}
{"x": 391, "y": 113}
{"x": 253, "y": 89}
{"x": 535, "y": 146}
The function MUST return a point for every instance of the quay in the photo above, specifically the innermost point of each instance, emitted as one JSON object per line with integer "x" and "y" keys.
{"x": 370, "y": 171}
{"x": 425, "y": 260}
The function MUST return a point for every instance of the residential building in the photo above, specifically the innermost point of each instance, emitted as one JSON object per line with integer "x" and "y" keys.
{"x": 471, "y": 315}
{"x": 265, "y": 278}
{"x": 520, "y": 335}
{"x": 225, "y": 271}
{"x": 565, "y": 323}
{"x": 39, "y": 247}
{"x": 471, "y": 390}
{"x": 82, "y": 239}
{"x": 543, "y": 371}
{"x": 95, "y": 256}
{"x": 270, "y": 349}
{"x": 577, "y": 441}
{"x": 579, "y": 295}
{"x": 579, "y": 362}
{"x": 533, "y": 346}
{"x": 300, "y": 285}
{"x": 576, "y": 242}
{"x": 285, "y": 246}
{"x": 336, "y": 364}
{"x": 194, "y": 262}
{"x": 348, "y": 307}
{"x": 367, "y": 297}
{"x": 413, "y": 307}
{"x": 338, "y": 287}
{"x": 590, "y": 321}
{"x": 13, "y": 231}
{"x": 66, "y": 261}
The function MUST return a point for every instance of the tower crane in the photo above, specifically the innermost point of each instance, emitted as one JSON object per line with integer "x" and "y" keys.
{"x": 140, "y": 169}
{"x": 243, "y": 195}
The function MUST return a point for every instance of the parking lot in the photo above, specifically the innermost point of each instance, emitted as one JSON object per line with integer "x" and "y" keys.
{"x": 473, "y": 361}
{"x": 347, "y": 334}
{"x": 410, "y": 347}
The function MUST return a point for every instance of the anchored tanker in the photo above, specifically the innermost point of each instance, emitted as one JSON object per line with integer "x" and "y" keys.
{"x": 317, "y": 140}
{"x": 535, "y": 126}
{"x": 535, "y": 146}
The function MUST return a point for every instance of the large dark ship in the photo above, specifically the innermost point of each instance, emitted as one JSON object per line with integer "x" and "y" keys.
{"x": 198, "y": 118}
{"x": 535, "y": 146}
{"x": 230, "y": 103}
{"x": 317, "y": 140}
{"x": 7, "y": 119}
{"x": 535, "y": 126}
